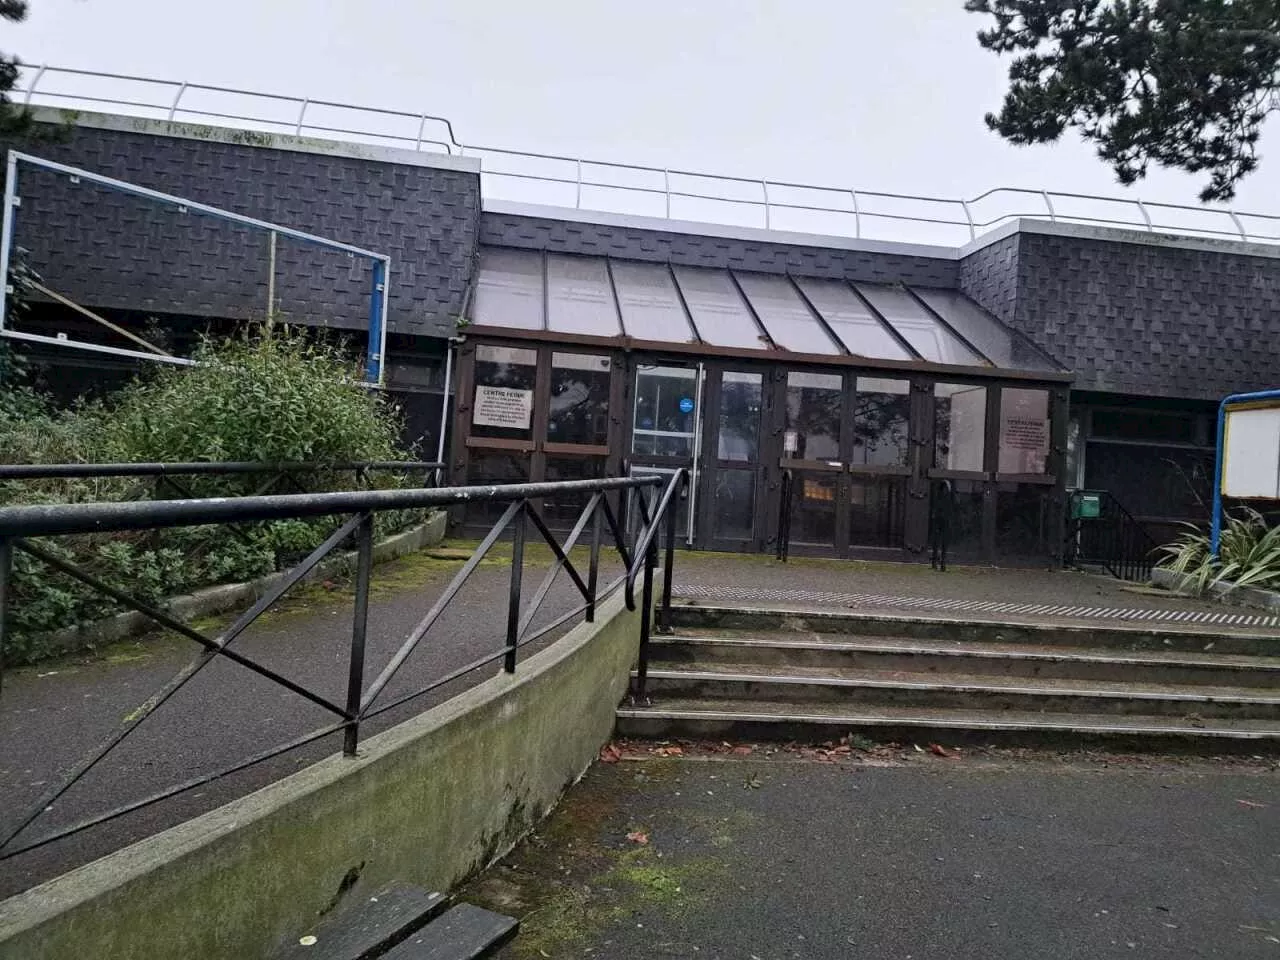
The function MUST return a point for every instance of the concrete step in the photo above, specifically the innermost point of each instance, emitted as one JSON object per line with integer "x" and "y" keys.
{"x": 815, "y": 722}
{"x": 958, "y": 691}
{"x": 941, "y": 656}
{"x": 465, "y": 932}
{"x": 367, "y": 928}
{"x": 1043, "y": 632}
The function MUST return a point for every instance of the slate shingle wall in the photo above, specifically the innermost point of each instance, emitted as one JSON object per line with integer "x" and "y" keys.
{"x": 1151, "y": 320}
{"x": 108, "y": 249}
{"x": 632, "y": 243}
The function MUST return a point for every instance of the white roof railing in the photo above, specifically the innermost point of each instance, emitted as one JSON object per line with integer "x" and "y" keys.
{"x": 627, "y": 188}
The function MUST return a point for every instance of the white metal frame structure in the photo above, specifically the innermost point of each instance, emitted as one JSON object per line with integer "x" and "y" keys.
{"x": 375, "y": 368}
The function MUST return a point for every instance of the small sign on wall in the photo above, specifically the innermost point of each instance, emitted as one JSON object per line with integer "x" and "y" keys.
{"x": 503, "y": 407}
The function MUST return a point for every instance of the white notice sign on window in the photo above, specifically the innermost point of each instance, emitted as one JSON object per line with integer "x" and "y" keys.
{"x": 503, "y": 407}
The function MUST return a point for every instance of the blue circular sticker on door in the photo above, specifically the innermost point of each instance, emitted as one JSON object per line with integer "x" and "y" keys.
{"x": 686, "y": 405}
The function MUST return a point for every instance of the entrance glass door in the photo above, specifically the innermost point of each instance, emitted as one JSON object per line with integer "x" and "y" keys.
{"x": 732, "y": 512}
{"x": 847, "y": 442}
{"x": 666, "y": 430}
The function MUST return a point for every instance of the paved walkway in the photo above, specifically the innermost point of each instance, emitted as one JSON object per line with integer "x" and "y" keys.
{"x": 898, "y": 855}
{"x": 52, "y": 714}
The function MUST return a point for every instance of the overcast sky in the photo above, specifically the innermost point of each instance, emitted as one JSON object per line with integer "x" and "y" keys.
{"x": 876, "y": 94}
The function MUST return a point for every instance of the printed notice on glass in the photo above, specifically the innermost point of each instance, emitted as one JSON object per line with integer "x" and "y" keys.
{"x": 503, "y": 407}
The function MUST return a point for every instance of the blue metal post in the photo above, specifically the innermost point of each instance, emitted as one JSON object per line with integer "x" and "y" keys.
{"x": 1215, "y": 537}
{"x": 377, "y": 298}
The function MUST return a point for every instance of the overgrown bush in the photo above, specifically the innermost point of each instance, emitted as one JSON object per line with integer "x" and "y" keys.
{"x": 1248, "y": 554}
{"x": 269, "y": 396}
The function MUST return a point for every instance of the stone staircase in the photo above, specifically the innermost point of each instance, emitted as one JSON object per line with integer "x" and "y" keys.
{"x": 733, "y": 673}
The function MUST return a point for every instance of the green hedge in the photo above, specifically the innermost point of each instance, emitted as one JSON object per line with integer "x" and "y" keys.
{"x": 271, "y": 395}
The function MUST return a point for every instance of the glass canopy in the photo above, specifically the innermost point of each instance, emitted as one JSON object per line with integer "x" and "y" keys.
{"x": 770, "y": 313}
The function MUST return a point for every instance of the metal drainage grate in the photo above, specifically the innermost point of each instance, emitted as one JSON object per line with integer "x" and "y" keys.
{"x": 765, "y": 594}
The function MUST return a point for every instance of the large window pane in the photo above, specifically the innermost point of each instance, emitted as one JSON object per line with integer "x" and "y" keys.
{"x": 561, "y": 511}
{"x": 1024, "y": 430}
{"x": 502, "y": 402}
{"x": 813, "y": 509}
{"x": 1151, "y": 481}
{"x": 717, "y": 308}
{"x": 931, "y": 339}
{"x": 790, "y": 323}
{"x": 813, "y": 416}
{"x": 876, "y": 511}
{"x": 650, "y": 307}
{"x": 957, "y": 507}
{"x": 734, "y": 504}
{"x": 509, "y": 289}
{"x": 579, "y": 399}
{"x": 739, "y": 433}
{"x": 853, "y": 323}
{"x": 665, "y": 413}
{"x": 579, "y": 296}
{"x": 882, "y": 422}
{"x": 1024, "y": 514}
{"x": 493, "y": 467}
{"x": 959, "y": 426}
{"x": 998, "y": 342}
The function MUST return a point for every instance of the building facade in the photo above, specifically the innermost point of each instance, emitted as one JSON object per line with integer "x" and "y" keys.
{"x": 850, "y": 390}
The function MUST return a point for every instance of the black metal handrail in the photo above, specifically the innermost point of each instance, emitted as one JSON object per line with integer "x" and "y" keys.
{"x": 19, "y": 523}
{"x": 1114, "y": 540}
{"x": 166, "y": 474}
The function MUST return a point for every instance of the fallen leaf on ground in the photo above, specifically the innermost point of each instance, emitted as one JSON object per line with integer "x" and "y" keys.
{"x": 1251, "y": 804}
{"x": 938, "y": 750}
{"x": 744, "y": 751}
{"x": 638, "y": 836}
{"x": 610, "y": 753}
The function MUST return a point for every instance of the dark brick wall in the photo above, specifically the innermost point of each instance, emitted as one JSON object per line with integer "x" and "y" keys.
{"x": 990, "y": 277}
{"x": 112, "y": 250}
{"x": 507, "y": 230}
{"x": 1150, "y": 320}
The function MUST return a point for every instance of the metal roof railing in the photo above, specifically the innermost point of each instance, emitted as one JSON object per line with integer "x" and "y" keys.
{"x": 609, "y": 186}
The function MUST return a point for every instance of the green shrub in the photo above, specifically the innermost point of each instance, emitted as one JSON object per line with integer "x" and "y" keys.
{"x": 1248, "y": 554}
{"x": 269, "y": 396}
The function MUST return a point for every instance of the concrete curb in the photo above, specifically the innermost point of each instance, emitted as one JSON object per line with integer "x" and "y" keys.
{"x": 228, "y": 596}
{"x": 1222, "y": 592}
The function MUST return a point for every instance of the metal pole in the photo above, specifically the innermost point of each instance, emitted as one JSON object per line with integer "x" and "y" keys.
{"x": 271, "y": 274}
{"x": 382, "y": 331}
{"x": 593, "y": 573}
{"x": 359, "y": 630}
{"x": 1215, "y": 536}
{"x": 764, "y": 189}
{"x": 666, "y": 183}
{"x": 6, "y": 568}
{"x": 6, "y": 231}
{"x": 173, "y": 108}
{"x": 1053, "y": 216}
{"x": 973, "y": 234}
{"x": 26, "y": 101}
{"x": 664, "y": 617}
{"x": 1239, "y": 225}
{"x": 301, "y": 113}
{"x": 857, "y": 215}
{"x": 1142, "y": 208}
{"x": 422, "y": 126}
{"x": 513, "y": 601}
{"x": 444, "y": 408}
{"x": 646, "y": 615}
{"x": 577, "y": 203}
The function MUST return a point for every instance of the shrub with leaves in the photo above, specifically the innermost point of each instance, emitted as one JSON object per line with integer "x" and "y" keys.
{"x": 1248, "y": 554}
{"x": 269, "y": 396}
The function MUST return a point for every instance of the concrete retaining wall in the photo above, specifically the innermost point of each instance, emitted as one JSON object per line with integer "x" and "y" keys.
{"x": 427, "y": 802}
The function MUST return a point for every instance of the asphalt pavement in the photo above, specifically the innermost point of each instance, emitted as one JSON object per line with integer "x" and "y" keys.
{"x": 899, "y": 854}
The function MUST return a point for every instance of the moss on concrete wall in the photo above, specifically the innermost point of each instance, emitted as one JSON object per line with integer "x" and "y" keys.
{"x": 427, "y": 802}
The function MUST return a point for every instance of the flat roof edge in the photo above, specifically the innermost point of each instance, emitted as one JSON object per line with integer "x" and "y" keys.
{"x": 254, "y": 138}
